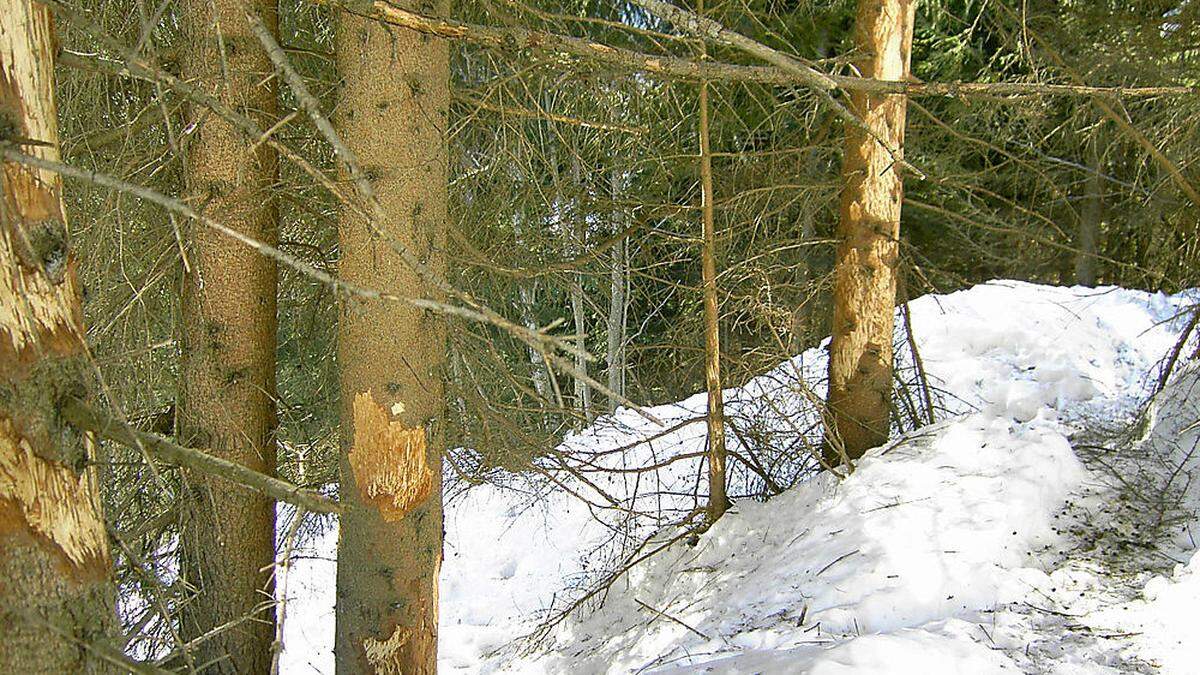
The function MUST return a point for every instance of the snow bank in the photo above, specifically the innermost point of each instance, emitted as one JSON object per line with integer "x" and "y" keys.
{"x": 939, "y": 525}
{"x": 896, "y": 561}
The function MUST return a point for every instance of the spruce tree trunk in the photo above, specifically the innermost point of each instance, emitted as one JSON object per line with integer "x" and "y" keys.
{"x": 393, "y": 114}
{"x": 227, "y": 368}
{"x": 616, "y": 303}
{"x": 56, "y": 600}
{"x": 864, "y": 293}
{"x": 718, "y": 502}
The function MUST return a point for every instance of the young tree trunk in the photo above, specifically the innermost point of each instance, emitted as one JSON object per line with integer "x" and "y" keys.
{"x": 1090, "y": 217}
{"x": 864, "y": 293}
{"x": 526, "y": 306}
{"x": 56, "y": 600}
{"x": 718, "y": 502}
{"x": 575, "y": 226}
{"x": 227, "y": 368}
{"x": 393, "y": 113}
{"x": 539, "y": 369}
{"x": 616, "y": 303}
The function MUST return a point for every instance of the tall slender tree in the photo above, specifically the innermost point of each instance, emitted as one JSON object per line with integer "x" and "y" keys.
{"x": 718, "y": 502}
{"x": 864, "y": 285}
{"x": 55, "y": 592}
{"x": 395, "y": 87}
{"x": 572, "y": 210}
{"x": 227, "y": 369}
{"x": 618, "y": 300}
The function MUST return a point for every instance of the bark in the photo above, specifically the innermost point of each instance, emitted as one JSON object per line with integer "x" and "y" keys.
{"x": 617, "y": 302}
{"x": 583, "y": 393}
{"x": 718, "y": 502}
{"x": 56, "y": 600}
{"x": 1090, "y": 217}
{"x": 864, "y": 294}
{"x": 395, "y": 86}
{"x": 227, "y": 366}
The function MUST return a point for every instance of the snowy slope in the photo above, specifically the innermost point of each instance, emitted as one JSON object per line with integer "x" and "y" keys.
{"x": 914, "y": 562}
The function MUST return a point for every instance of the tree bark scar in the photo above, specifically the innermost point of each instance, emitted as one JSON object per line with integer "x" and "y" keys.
{"x": 391, "y": 469}
{"x": 51, "y": 503}
{"x": 381, "y": 653}
{"x": 39, "y": 308}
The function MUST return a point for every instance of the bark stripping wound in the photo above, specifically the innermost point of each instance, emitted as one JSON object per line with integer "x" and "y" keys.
{"x": 390, "y": 464}
{"x": 864, "y": 295}
{"x": 41, "y": 497}
{"x": 55, "y": 597}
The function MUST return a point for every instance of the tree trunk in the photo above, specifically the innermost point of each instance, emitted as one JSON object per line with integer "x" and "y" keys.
{"x": 864, "y": 293}
{"x": 1090, "y": 217}
{"x": 527, "y": 306}
{"x": 395, "y": 86}
{"x": 56, "y": 600}
{"x": 616, "y": 303}
{"x": 718, "y": 502}
{"x": 227, "y": 368}
{"x": 583, "y": 393}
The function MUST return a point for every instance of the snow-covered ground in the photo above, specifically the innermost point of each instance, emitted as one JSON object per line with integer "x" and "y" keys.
{"x": 1016, "y": 534}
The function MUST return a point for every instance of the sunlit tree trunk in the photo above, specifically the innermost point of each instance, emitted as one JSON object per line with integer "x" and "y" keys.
{"x": 227, "y": 369}
{"x": 718, "y": 502}
{"x": 55, "y": 593}
{"x": 864, "y": 294}
{"x": 392, "y": 113}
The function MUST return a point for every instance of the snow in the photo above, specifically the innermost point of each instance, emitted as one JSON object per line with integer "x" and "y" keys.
{"x": 955, "y": 548}
{"x": 1165, "y": 619}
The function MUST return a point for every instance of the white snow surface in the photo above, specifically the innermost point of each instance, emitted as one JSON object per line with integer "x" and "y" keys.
{"x": 927, "y": 559}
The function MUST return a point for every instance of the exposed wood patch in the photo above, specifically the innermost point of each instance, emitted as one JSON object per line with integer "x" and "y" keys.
{"x": 389, "y": 460}
{"x": 39, "y": 297}
{"x": 51, "y": 502}
{"x": 383, "y": 655}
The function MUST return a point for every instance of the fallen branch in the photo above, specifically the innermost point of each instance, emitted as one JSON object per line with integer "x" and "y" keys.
{"x": 511, "y": 38}
{"x": 110, "y": 428}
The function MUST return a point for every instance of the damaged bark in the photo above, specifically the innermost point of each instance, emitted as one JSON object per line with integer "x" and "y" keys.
{"x": 56, "y": 600}
{"x": 864, "y": 282}
{"x": 396, "y": 86}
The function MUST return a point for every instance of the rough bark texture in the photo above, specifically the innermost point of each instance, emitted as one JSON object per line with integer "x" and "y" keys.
{"x": 718, "y": 502}
{"x": 864, "y": 294}
{"x": 227, "y": 369}
{"x": 395, "y": 87}
{"x": 56, "y": 599}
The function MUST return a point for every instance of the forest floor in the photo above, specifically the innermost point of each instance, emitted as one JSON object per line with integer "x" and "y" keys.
{"x": 1043, "y": 524}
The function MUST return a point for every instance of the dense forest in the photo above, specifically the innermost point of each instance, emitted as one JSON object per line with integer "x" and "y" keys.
{"x": 281, "y": 273}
